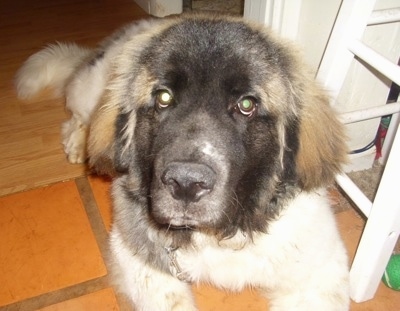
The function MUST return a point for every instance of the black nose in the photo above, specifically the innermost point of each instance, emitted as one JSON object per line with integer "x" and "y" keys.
{"x": 188, "y": 181}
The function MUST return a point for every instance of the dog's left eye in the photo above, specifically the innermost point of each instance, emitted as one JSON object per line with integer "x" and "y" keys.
{"x": 164, "y": 99}
{"x": 246, "y": 106}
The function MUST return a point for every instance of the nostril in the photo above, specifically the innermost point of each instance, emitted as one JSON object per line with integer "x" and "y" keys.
{"x": 197, "y": 190}
{"x": 188, "y": 181}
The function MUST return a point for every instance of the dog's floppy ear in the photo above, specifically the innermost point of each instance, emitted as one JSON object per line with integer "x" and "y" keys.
{"x": 101, "y": 138}
{"x": 322, "y": 149}
{"x": 105, "y": 139}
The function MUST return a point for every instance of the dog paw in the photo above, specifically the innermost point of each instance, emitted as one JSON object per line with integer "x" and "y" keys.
{"x": 74, "y": 140}
{"x": 76, "y": 157}
{"x": 179, "y": 302}
{"x": 164, "y": 301}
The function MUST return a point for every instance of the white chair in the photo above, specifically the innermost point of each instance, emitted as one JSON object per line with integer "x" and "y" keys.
{"x": 383, "y": 214}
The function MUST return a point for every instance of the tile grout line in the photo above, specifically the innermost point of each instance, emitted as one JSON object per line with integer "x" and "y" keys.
{"x": 57, "y": 296}
{"x": 93, "y": 214}
{"x": 100, "y": 232}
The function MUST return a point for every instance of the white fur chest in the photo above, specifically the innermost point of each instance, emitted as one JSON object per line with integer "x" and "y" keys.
{"x": 307, "y": 224}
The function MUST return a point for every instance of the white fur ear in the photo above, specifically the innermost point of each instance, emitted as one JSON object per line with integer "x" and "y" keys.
{"x": 322, "y": 150}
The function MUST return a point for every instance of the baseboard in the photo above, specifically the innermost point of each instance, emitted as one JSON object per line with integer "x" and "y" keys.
{"x": 161, "y": 8}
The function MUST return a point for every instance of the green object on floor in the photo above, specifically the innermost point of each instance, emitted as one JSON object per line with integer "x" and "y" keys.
{"x": 391, "y": 277}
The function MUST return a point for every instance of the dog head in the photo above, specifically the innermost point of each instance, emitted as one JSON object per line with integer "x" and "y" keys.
{"x": 214, "y": 123}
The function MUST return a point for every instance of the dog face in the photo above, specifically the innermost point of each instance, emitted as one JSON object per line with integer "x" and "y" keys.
{"x": 214, "y": 124}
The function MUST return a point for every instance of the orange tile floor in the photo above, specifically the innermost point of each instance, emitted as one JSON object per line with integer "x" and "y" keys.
{"x": 53, "y": 242}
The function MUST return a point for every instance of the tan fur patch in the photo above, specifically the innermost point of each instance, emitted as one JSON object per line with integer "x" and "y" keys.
{"x": 101, "y": 136}
{"x": 323, "y": 148}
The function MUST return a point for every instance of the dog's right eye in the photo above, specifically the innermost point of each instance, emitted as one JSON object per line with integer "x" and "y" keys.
{"x": 246, "y": 106}
{"x": 164, "y": 99}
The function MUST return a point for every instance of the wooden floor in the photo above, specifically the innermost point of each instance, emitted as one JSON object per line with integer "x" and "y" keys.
{"x": 30, "y": 151}
{"x": 31, "y": 156}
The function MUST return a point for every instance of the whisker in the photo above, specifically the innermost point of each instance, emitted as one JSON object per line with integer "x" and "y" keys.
{"x": 227, "y": 216}
{"x": 236, "y": 200}
{"x": 167, "y": 230}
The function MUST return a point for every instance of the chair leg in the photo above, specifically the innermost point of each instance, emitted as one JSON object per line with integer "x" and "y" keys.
{"x": 380, "y": 233}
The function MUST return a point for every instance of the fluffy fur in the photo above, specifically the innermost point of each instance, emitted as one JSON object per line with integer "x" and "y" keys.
{"x": 220, "y": 144}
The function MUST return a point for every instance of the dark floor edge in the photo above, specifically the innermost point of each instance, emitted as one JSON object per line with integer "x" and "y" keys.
{"x": 57, "y": 296}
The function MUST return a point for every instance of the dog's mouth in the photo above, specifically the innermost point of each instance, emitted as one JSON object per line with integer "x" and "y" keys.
{"x": 178, "y": 223}
{"x": 179, "y": 228}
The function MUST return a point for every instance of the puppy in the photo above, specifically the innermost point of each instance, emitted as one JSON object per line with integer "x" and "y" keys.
{"x": 220, "y": 144}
